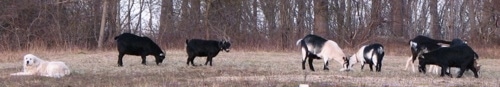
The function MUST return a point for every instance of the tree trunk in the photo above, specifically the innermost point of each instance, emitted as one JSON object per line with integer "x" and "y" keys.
{"x": 103, "y": 23}
{"x": 320, "y": 17}
{"x": 166, "y": 23}
{"x": 434, "y": 26}
{"x": 397, "y": 18}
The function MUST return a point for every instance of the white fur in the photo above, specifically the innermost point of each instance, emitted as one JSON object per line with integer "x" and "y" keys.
{"x": 330, "y": 50}
{"x": 410, "y": 64}
{"x": 35, "y": 66}
{"x": 413, "y": 45}
{"x": 356, "y": 57}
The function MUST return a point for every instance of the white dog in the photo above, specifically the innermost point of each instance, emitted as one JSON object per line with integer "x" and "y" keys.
{"x": 36, "y": 66}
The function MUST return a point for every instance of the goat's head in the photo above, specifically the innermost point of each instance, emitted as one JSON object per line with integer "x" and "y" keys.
{"x": 159, "y": 58}
{"x": 345, "y": 65}
{"x": 224, "y": 45}
{"x": 421, "y": 65}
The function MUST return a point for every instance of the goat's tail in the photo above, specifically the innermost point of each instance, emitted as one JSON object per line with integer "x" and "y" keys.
{"x": 298, "y": 42}
{"x": 302, "y": 44}
{"x": 380, "y": 50}
{"x": 476, "y": 56}
{"x": 116, "y": 37}
{"x": 187, "y": 41}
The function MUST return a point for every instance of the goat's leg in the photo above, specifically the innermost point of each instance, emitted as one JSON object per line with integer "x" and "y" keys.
{"x": 409, "y": 63}
{"x": 191, "y": 60}
{"x": 120, "y": 57}
{"x": 304, "y": 63}
{"x": 143, "y": 62}
{"x": 362, "y": 66}
{"x": 311, "y": 64}
{"x": 371, "y": 67}
{"x": 210, "y": 59}
{"x": 326, "y": 65}
{"x": 461, "y": 71}
{"x": 379, "y": 67}
{"x": 474, "y": 70}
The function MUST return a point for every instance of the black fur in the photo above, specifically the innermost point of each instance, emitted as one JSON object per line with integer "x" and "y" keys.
{"x": 380, "y": 56}
{"x": 140, "y": 46}
{"x": 202, "y": 48}
{"x": 461, "y": 56}
{"x": 458, "y": 42}
{"x": 316, "y": 41}
{"x": 424, "y": 42}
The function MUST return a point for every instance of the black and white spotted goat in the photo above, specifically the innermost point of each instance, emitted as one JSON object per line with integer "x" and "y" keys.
{"x": 371, "y": 54}
{"x": 316, "y": 47}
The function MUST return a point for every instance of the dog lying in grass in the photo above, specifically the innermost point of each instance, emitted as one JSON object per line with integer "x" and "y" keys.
{"x": 33, "y": 65}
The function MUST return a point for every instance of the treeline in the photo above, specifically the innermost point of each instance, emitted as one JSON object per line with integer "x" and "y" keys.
{"x": 248, "y": 24}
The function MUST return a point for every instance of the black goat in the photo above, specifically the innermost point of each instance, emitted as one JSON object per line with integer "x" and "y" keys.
{"x": 461, "y": 56}
{"x": 202, "y": 48}
{"x": 135, "y": 45}
{"x": 418, "y": 43}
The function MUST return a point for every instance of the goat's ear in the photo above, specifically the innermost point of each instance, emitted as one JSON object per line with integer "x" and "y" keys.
{"x": 220, "y": 44}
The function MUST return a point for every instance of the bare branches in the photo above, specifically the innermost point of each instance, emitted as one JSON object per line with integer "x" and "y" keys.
{"x": 254, "y": 24}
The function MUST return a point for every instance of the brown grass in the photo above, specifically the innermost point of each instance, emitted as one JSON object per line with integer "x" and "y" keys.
{"x": 236, "y": 68}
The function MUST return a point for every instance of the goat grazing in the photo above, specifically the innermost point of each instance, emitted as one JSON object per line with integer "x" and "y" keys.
{"x": 135, "y": 45}
{"x": 368, "y": 54}
{"x": 316, "y": 47}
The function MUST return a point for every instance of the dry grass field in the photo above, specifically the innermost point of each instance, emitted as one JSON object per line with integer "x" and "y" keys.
{"x": 236, "y": 68}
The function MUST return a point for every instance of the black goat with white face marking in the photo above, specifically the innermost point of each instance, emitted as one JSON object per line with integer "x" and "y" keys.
{"x": 202, "y": 48}
{"x": 315, "y": 47}
{"x": 418, "y": 43}
{"x": 372, "y": 54}
{"x": 135, "y": 45}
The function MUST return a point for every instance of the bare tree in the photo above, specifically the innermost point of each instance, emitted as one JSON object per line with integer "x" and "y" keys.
{"x": 251, "y": 24}
{"x": 103, "y": 23}
{"x": 320, "y": 17}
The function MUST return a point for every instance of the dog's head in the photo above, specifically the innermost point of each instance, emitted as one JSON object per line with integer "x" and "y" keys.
{"x": 31, "y": 60}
